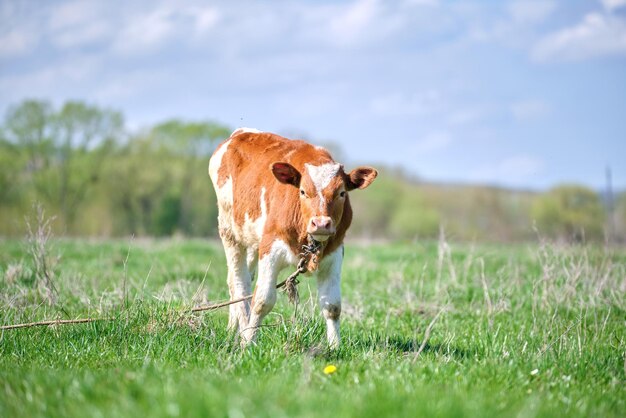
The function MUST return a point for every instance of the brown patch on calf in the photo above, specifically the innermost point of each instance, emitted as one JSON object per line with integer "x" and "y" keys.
{"x": 222, "y": 173}
{"x": 227, "y": 235}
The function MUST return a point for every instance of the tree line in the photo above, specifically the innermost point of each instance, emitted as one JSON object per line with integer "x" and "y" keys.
{"x": 82, "y": 165}
{"x": 96, "y": 178}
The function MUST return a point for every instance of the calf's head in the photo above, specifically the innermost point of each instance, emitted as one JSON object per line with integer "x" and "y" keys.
{"x": 323, "y": 192}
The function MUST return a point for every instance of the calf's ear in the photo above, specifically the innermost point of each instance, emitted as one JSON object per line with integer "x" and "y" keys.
{"x": 360, "y": 178}
{"x": 286, "y": 174}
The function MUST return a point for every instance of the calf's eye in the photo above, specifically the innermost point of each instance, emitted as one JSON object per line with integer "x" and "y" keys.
{"x": 342, "y": 194}
{"x": 301, "y": 192}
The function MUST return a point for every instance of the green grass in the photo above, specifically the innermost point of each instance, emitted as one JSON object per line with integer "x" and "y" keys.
{"x": 524, "y": 330}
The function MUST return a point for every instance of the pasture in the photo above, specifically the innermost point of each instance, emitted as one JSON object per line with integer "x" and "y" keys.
{"x": 428, "y": 329}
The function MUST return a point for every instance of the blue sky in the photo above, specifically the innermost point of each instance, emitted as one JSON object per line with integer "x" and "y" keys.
{"x": 514, "y": 93}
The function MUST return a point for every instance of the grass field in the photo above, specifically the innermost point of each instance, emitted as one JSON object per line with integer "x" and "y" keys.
{"x": 520, "y": 330}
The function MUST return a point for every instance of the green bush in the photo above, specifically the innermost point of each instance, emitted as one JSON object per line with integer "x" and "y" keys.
{"x": 570, "y": 212}
{"x": 413, "y": 218}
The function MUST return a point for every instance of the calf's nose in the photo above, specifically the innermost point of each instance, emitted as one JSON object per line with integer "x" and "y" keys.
{"x": 321, "y": 224}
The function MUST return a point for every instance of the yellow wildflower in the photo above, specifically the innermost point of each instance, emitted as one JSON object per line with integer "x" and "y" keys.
{"x": 330, "y": 369}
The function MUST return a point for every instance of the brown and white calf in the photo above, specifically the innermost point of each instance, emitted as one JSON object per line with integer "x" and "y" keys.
{"x": 272, "y": 193}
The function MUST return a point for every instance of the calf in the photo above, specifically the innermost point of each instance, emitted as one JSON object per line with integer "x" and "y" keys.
{"x": 273, "y": 195}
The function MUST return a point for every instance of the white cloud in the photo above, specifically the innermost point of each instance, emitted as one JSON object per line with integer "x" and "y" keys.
{"x": 145, "y": 32}
{"x": 73, "y": 13}
{"x": 19, "y": 35}
{"x": 597, "y": 35}
{"x": 131, "y": 29}
{"x": 79, "y": 23}
{"x": 423, "y": 2}
{"x": 358, "y": 23}
{"x": 16, "y": 42}
{"x": 611, "y": 5}
{"x": 533, "y": 11}
{"x": 515, "y": 28}
{"x": 350, "y": 24}
{"x": 206, "y": 18}
{"x": 82, "y": 35}
{"x": 532, "y": 109}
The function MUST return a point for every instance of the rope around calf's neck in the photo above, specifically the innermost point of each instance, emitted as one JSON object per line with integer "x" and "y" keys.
{"x": 289, "y": 284}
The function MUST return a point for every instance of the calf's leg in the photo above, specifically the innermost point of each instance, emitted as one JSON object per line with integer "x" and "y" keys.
{"x": 264, "y": 297}
{"x": 329, "y": 293}
{"x": 239, "y": 280}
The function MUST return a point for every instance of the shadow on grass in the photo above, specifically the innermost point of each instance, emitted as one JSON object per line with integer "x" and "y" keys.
{"x": 403, "y": 345}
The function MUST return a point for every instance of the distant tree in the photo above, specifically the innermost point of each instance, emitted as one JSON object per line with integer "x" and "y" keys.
{"x": 192, "y": 143}
{"x": 28, "y": 126}
{"x": 27, "y": 147}
{"x": 413, "y": 218}
{"x": 158, "y": 183}
{"x": 191, "y": 139}
{"x": 570, "y": 212}
{"x": 10, "y": 174}
{"x": 62, "y": 151}
{"x": 85, "y": 135}
{"x": 138, "y": 178}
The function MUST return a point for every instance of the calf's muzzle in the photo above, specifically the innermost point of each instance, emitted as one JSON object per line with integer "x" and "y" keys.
{"x": 321, "y": 227}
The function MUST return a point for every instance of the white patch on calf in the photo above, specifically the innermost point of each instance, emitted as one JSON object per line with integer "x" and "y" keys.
{"x": 322, "y": 175}
{"x": 252, "y": 229}
{"x": 216, "y": 162}
{"x": 245, "y": 130}
{"x": 224, "y": 193}
{"x": 281, "y": 253}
